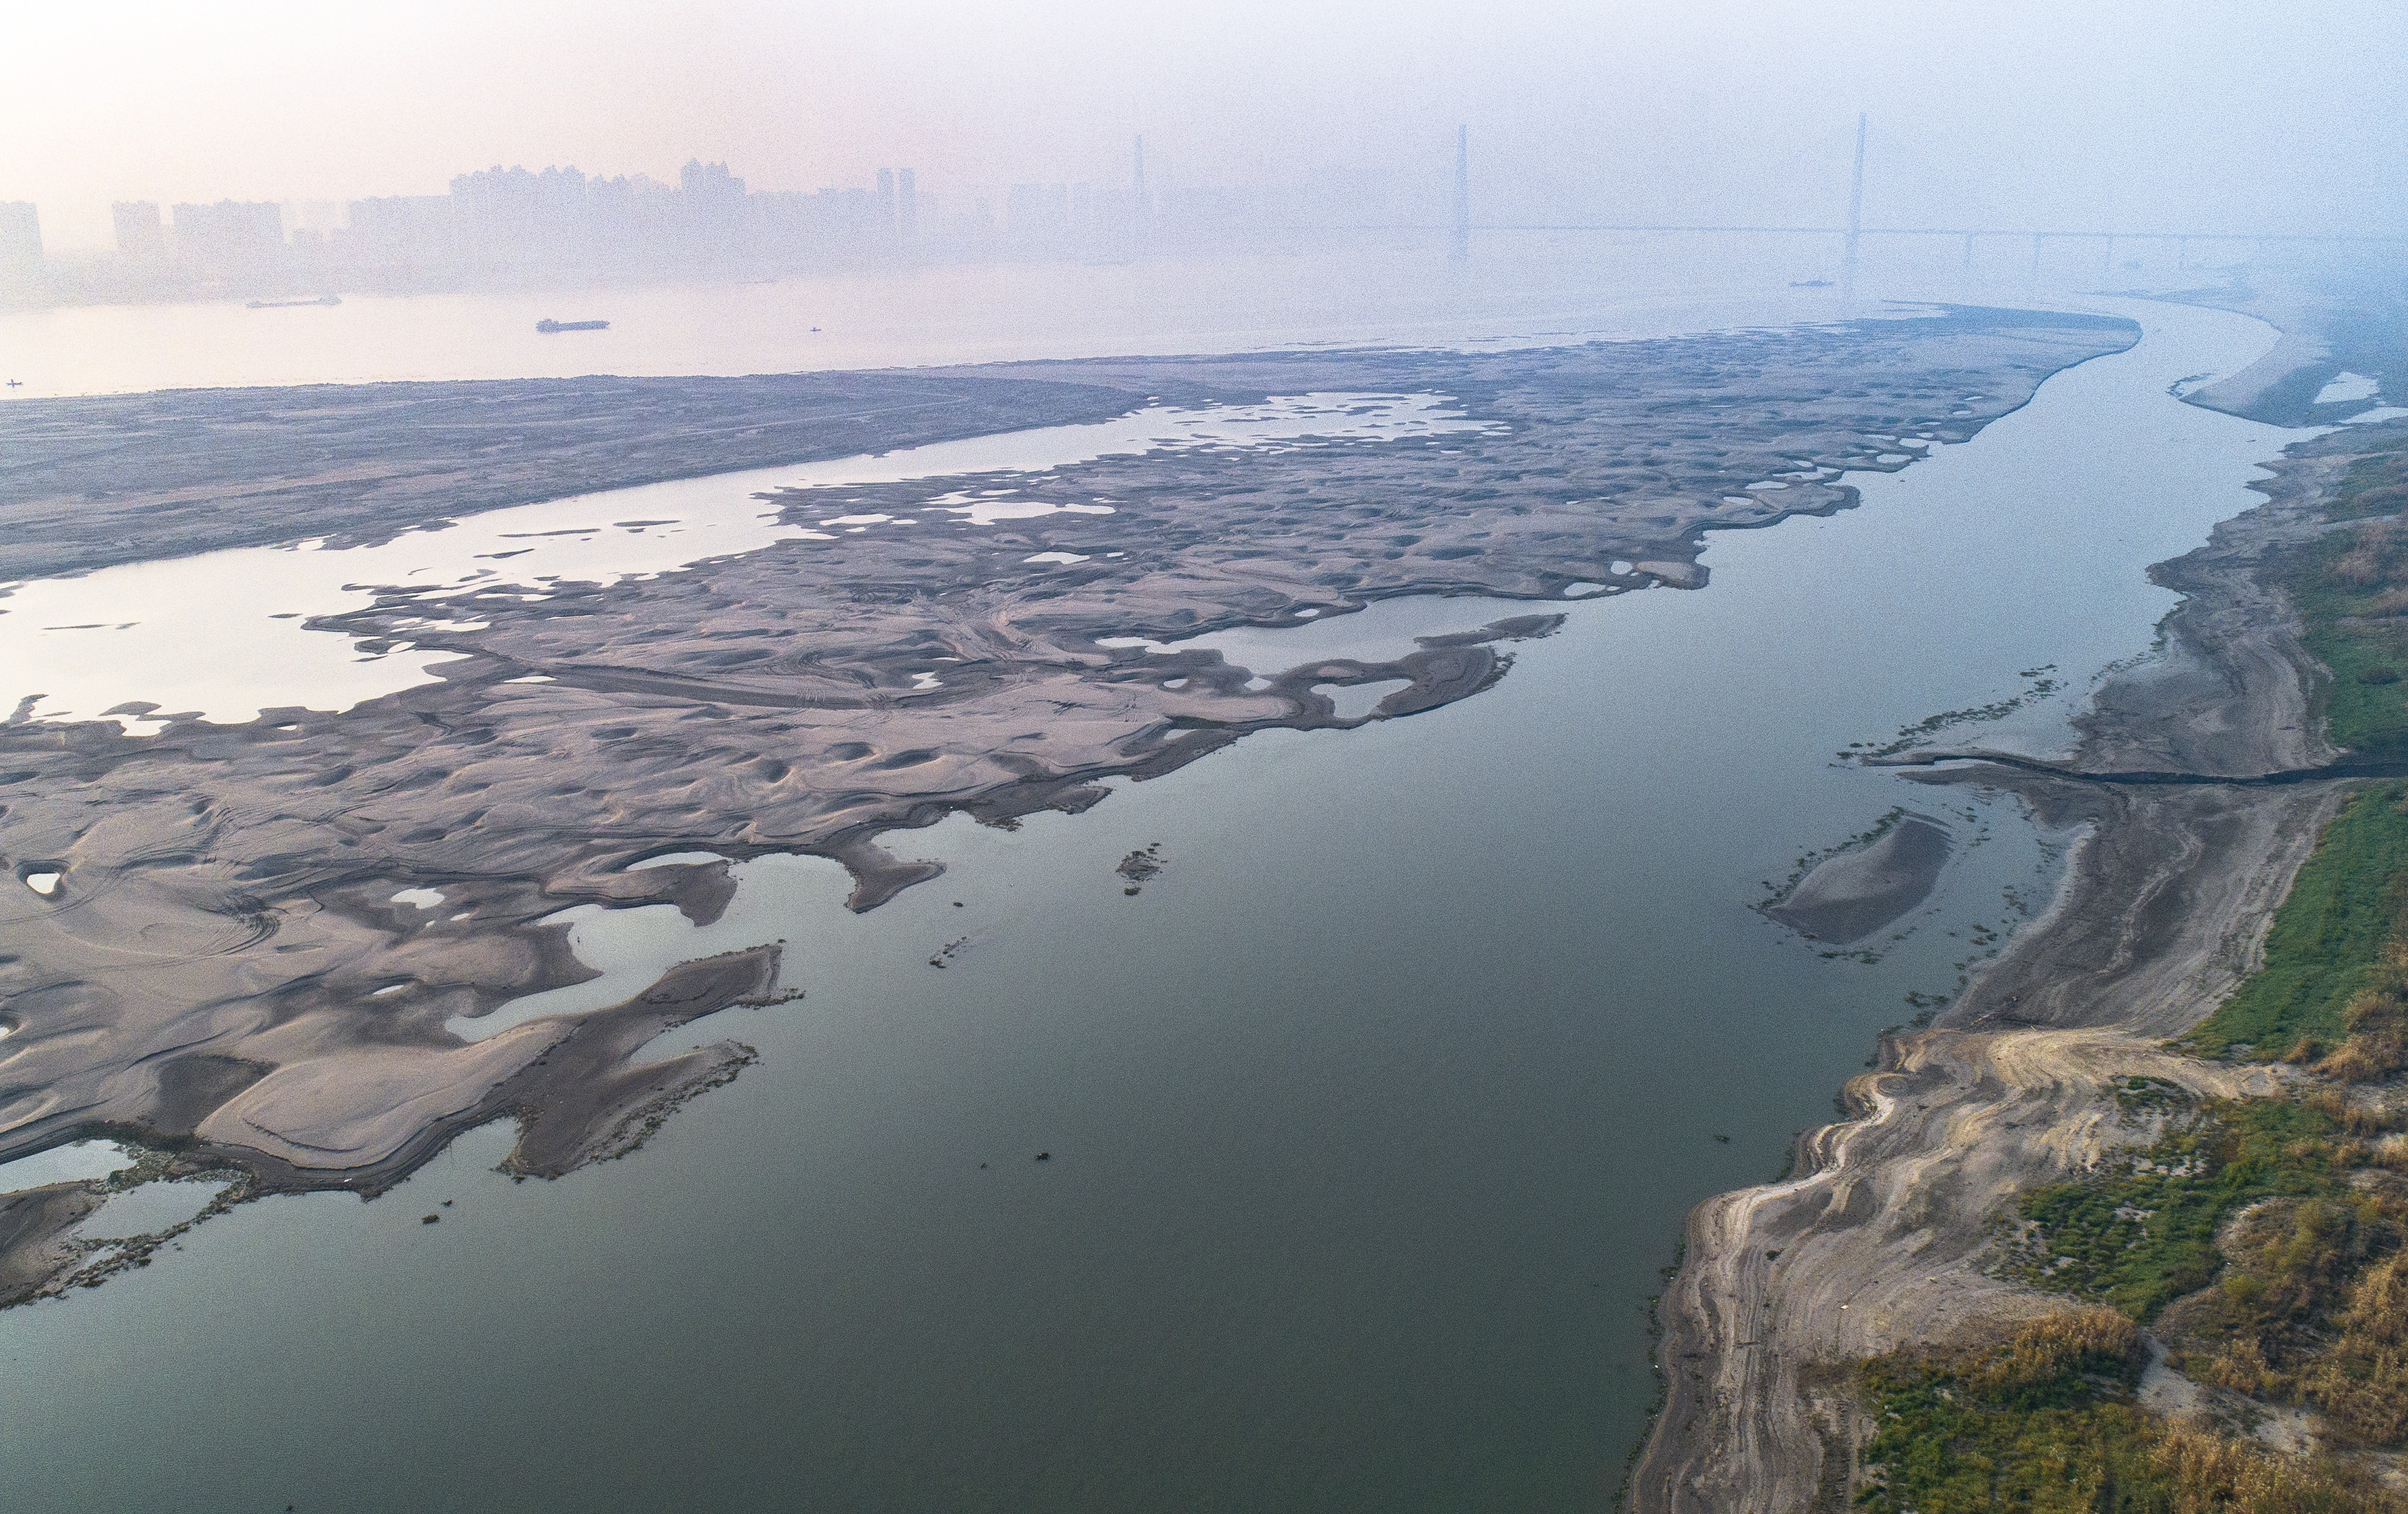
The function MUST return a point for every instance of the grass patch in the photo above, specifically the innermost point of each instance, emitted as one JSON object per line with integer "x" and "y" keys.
{"x": 2142, "y": 1233}
{"x": 2140, "y": 1096}
{"x": 2334, "y": 985}
{"x": 2376, "y": 485}
{"x": 2264, "y": 1238}
{"x": 2351, "y": 590}
{"x": 2047, "y": 1423}
{"x": 2348, "y": 902}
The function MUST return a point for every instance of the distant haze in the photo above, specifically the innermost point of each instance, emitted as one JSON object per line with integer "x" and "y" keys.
{"x": 2131, "y": 116}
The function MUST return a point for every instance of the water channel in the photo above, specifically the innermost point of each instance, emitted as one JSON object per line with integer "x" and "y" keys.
{"x": 226, "y": 634}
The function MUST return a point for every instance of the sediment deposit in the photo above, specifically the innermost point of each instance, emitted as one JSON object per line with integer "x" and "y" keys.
{"x": 1847, "y": 897}
{"x": 234, "y": 962}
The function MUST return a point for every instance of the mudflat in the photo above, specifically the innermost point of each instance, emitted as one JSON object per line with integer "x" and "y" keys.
{"x": 232, "y": 959}
{"x": 128, "y": 478}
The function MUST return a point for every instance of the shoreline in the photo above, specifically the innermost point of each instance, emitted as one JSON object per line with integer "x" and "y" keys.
{"x": 2200, "y": 787}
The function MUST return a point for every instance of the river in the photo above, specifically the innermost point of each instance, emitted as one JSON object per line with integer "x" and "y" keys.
{"x": 1366, "y": 1125}
{"x": 1520, "y": 289}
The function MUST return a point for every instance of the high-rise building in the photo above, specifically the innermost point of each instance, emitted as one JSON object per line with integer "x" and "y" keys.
{"x": 1461, "y": 247}
{"x": 21, "y": 235}
{"x": 886, "y": 221}
{"x": 1140, "y": 208}
{"x": 709, "y": 180}
{"x": 322, "y": 216}
{"x": 403, "y": 232}
{"x": 907, "y": 205}
{"x": 840, "y": 217}
{"x": 712, "y": 210}
{"x": 140, "y": 234}
{"x": 231, "y": 233}
{"x": 511, "y": 216}
{"x": 1023, "y": 212}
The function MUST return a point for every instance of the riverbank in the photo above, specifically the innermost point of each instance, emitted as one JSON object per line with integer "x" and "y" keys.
{"x": 1889, "y": 1239}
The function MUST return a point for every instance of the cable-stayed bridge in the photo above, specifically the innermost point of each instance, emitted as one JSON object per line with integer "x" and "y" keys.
{"x": 1854, "y": 231}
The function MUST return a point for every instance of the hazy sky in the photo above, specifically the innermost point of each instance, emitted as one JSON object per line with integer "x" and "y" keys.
{"x": 2131, "y": 115}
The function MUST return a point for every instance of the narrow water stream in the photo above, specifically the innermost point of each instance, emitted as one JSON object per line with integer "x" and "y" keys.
{"x": 226, "y": 634}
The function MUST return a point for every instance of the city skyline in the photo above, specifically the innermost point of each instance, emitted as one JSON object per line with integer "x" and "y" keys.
{"x": 512, "y": 227}
{"x": 508, "y": 225}
{"x": 1639, "y": 111}
{"x": 1348, "y": 193}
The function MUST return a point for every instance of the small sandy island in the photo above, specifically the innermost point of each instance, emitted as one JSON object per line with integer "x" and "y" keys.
{"x": 1844, "y": 898}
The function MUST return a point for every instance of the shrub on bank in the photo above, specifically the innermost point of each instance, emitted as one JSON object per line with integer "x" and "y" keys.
{"x": 2047, "y": 1423}
{"x": 2264, "y": 1237}
{"x": 2337, "y": 939}
{"x": 2141, "y": 1232}
{"x": 2044, "y": 1423}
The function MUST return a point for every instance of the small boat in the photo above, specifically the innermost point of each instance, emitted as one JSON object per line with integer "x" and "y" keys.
{"x": 549, "y": 326}
{"x": 287, "y": 304}
{"x": 1810, "y": 283}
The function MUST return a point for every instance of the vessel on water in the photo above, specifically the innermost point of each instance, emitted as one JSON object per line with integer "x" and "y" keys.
{"x": 287, "y": 304}
{"x": 547, "y": 326}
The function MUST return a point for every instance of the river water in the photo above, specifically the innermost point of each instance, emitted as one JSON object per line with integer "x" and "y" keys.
{"x": 1367, "y": 1123}
{"x": 225, "y": 634}
{"x": 1517, "y": 289}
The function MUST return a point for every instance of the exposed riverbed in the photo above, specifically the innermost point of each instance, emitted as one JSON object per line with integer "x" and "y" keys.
{"x": 224, "y": 635}
{"x": 1367, "y": 1123}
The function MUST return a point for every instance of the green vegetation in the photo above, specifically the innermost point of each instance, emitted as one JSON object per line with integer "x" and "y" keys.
{"x": 2301, "y": 1316}
{"x": 2336, "y": 969}
{"x": 2292, "y": 1211}
{"x": 2046, "y": 1423}
{"x": 2377, "y": 1023}
{"x": 2350, "y": 596}
{"x": 2328, "y": 940}
{"x": 2352, "y": 593}
{"x": 2376, "y": 485}
{"x": 2266, "y": 1241}
{"x": 2142, "y": 1233}
{"x": 2147, "y": 1095}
